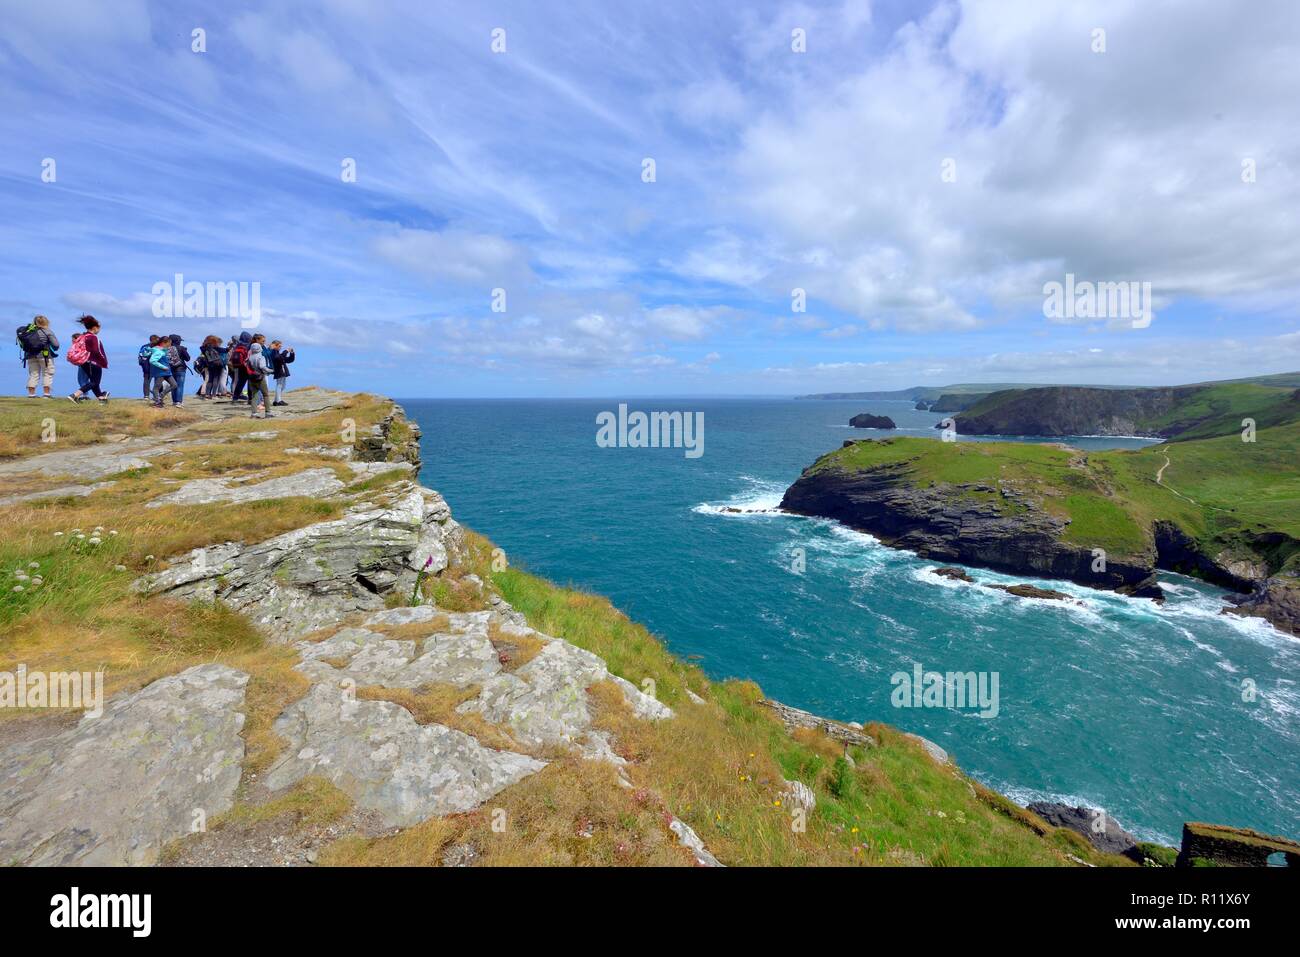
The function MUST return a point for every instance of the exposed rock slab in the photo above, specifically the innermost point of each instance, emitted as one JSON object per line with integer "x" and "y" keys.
{"x": 793, "y": 718}
{"x": 312, "y": 483}
{"x": 386, "y": 762}
{"x": 113, "y": 789}
{"x": 545, "y": 701}
{"x": 311, "y": 577}
{"x": 458, "y": 657}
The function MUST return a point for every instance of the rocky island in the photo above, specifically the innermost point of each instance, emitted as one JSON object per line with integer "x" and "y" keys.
{"x": 866, "y": 420}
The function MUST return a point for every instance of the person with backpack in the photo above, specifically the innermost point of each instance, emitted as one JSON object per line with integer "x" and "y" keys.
{"x": 87, "y": 353}
{"x": 40, "y": 348}
{"x": 142, "y": 357}
{"x": 279, "y": 359}
{"x": 238, "y": 361}
{"x": 160, "y": 367}
{"x": 258, "y": 370}
{"x": 180, "y": 357}
{"x": 212, "y": 366}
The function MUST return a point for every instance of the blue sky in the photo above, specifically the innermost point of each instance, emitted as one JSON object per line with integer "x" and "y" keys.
{"x": 775, "y": 170}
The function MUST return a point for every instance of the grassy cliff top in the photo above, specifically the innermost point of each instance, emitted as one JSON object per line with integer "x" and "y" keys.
{"x": 719, "y": 764}
{"x": 1217, "y": 489}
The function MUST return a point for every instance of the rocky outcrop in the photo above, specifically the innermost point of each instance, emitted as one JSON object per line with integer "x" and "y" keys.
{"x": 395, "y": 439}
{"x": 376, "y": 753}
{"x": 956, "y": 574}
{"x": 794, "y": 718}
{"x": 311, "y": 577}
{"x": 1033, "y": 591}
{"x": 1277, "y": 599}
{"x": 963, "y": 523}
{"x": 866, "y": 420}
{"x": 1233, "y": 847}
{"x": 1100, "y": 829}
{"x": 313, "y": 483}
{"x": 545, "y": 703}
{"x": 115, "y": 788}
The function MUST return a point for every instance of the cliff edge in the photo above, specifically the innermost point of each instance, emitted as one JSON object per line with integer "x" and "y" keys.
{"x": 304, "y": 658}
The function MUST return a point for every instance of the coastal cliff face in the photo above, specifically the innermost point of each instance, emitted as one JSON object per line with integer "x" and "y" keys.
{"x": 1069, "y": 410}
{"x": 967, "y": 523}
{"x": 1050, "y": 511}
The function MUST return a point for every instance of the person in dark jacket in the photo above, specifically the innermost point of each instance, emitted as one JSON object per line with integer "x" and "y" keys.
{"x": 180, "y": 364}
{"x": 96, "y": 361}
{"x": 236, "y": 360}
{"x": 279, "y": 358}
{"x": 40, "y": 346}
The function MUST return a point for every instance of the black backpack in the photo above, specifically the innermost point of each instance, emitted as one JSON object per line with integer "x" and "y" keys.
{"x": 32, "y": 340}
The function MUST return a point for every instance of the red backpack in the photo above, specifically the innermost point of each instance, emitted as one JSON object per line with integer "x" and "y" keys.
{"x": 78, "y": 354}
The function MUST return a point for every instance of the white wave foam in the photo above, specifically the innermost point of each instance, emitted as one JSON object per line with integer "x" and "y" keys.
{"x": 762, "y": 497}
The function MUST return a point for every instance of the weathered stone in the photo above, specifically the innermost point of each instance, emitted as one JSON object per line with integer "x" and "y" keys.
{"x": 1233, "y": 847}
{"x": 1032, "y": 591}
{"x": 457, "y": 658}
{"x": 793, "y": 718}
{"x": 312, "y": 483}
{"x": 58, "y": 491}
{"x": 387, "y": 763}
{"x": 951, "y": 571}
{"x": 311, "y": 577}
{"x": 545, "y": 701}
{"x": 687, "y": 837}
{"x": 937, "y": 754}
{"x": 404, "y": 615}
{"x": 114, "y": 788}
{"x": 1100, "y": 829}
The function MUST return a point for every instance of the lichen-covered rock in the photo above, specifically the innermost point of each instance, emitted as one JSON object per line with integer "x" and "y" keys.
{"x": 115, "y": 788}
{"x": 312, "y": 483}
{"x": 458, "y": 657}
{"x": 545, "y": 701}
{"x": 387, "y": 763}
{"x": 311, "y": 577}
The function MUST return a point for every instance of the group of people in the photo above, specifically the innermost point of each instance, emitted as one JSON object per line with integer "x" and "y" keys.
{"x": 240, "y": 370}
{"x": 245, "y": 362}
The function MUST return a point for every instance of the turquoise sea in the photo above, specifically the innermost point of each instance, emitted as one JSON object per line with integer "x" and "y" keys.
{"x": 1113, "y": 702}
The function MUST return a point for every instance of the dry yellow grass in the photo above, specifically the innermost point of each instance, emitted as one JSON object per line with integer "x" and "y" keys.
{"x": 572, "y": 813}
{"x": 23, "y": 423}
